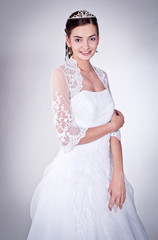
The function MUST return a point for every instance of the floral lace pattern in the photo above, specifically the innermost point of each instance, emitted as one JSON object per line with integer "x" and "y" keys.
{"x": 68, "y": 133}
{"x": 72, "y": 73}
{"x": 67, "y": 81}
{"x": 71, "y": 201}
{"x": 74, "y": 77}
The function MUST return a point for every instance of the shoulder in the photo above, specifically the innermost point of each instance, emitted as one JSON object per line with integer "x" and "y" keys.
{"x": 66, "y": 64}
{"x": 58, "y": 77}
{"x": 63, "y": 69}
{"x": 58, "y": 72}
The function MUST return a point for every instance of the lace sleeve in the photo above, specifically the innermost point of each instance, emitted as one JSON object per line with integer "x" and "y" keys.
{"x": 68, "y": 132}
{"x": 118, "y": 132}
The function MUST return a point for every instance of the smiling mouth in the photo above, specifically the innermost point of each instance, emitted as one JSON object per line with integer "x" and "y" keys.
{"x": 85, "y": 53}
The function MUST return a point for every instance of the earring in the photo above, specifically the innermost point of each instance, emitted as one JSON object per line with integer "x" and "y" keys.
{"x": 96, "y": 51}
{"x": 69, "y": 50}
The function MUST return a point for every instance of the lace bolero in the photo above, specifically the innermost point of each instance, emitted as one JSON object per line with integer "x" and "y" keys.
{"x": 66, "y": 82}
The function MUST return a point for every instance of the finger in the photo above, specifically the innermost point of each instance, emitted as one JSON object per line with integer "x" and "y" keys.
{"x": 117, "y": 201}
{"x": 122, "y": 201}
{"x": 119, "y": 113}
{"x": 124, "y": 197}
{"x": 111, "y": 203}
{"x": 110, "y": 191}
{"x": 116, "y": 111}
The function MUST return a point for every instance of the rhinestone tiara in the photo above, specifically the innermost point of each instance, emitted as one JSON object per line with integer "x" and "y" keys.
{"x": 83, "y": 14}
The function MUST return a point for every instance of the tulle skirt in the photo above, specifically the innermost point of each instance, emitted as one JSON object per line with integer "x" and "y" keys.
{"x": 71, "y": 200}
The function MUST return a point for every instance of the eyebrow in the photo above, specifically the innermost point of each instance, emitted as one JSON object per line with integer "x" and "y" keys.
{"x": 81, "y": 37}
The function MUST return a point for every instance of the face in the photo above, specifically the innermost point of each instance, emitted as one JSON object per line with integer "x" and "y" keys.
{"x": 84, "y": 41}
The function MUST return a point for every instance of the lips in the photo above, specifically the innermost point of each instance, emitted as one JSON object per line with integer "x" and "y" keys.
{"x": 85, "y": 53}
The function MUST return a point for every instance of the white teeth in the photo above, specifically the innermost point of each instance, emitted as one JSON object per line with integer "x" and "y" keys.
{"x": 85, "y": 52}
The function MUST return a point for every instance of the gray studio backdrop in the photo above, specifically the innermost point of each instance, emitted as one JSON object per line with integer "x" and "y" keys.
{"x": 32, "y": 45}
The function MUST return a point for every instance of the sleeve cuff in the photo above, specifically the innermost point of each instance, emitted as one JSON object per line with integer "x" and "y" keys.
{"x": 116, "y": 134}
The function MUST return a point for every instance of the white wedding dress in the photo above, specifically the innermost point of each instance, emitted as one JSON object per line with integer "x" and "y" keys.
{"x": 71, "y": 200}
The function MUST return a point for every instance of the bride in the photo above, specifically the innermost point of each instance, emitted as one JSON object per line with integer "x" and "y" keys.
{"x": 84, "y": 193}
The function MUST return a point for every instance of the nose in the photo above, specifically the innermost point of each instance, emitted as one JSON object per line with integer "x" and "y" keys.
{"x": 85, "y": 45}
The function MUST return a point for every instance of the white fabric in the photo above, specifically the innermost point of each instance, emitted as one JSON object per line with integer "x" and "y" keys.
{"x": 71, "y": 200}
{"x": 69, "y": 133}
{"x": 66, "y": 83}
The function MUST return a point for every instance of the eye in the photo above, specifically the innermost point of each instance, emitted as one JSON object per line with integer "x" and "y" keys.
{"x": 93, "y": 38}
{"x": 77, "y": 40}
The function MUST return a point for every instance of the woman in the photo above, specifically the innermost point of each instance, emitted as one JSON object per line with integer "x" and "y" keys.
{"x": 84, "y": 193}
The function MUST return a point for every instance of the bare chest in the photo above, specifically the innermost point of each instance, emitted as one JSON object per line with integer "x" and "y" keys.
{"x": 91, "y": 82}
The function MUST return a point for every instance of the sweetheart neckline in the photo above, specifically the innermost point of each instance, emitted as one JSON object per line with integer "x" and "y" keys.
{"x": 93, "y": 91}
{"x": 90, "y": 92}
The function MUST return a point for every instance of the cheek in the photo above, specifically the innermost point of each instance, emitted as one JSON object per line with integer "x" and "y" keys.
{"x": 93, "y": 44}
{"x": 76, "y": 46}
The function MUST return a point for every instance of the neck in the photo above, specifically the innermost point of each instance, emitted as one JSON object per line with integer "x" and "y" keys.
{"x": 84, "y": 65}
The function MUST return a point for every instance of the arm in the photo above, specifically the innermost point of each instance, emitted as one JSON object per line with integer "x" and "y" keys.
{"x": 68, "y": 132}
{"x": 117, "y": 185}
{"x": 116, "y": 150}
{"x": 112, "y": 127}
{"x": 96, "y": 132}
{"x": 115, "y": 133}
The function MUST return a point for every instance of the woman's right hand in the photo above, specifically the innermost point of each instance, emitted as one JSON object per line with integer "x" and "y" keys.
{"x": 117, "y": 120}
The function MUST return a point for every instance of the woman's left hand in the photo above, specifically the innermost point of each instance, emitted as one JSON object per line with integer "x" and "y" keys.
{"x": 117, "y": 190}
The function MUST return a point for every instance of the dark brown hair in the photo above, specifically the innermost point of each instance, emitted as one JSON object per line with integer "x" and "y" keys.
{"x": 75, "y": 22}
